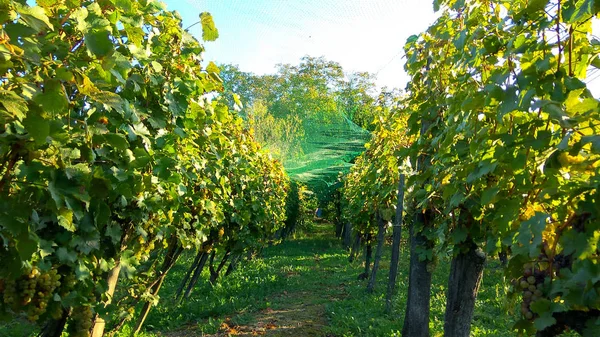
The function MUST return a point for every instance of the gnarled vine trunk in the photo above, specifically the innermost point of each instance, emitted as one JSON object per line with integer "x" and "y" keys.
{"x": 466, "y": 271}
{"x": 368, "y": 255}
{"x": 347, "y": 235}
{"x": 214, "y": 273}
{"x": 55, "y": 327}
{"x": 188, "y": 274}
{"x": 170, "y": 260}
{"x": 195, "y": 276}
{"x": 355, "y": 248}
{"x": 233, "y": 264}
{"x": 416, "y": 319}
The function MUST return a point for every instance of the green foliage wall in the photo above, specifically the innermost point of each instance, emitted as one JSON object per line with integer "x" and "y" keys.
{"x": 113, "y": 157}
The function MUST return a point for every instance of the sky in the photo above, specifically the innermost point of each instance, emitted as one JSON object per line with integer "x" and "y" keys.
{"x": 361, "y": 35}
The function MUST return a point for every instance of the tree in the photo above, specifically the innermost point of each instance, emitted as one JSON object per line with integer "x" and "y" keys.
{"x": 356, "y": 99}
{"x": 306, "y": 90}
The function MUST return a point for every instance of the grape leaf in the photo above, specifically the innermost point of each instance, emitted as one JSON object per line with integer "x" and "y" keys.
{"x": 116, "y": 140}
{"x": 26, "y": 245}
{"x": 65, "y": 255}
{"x": 545, "y": 320}
{"x": 488, "y": 195}
{"x": 209, "y": 30}
{"x": 110, "y": 99}
{"x": 529, "y": 238}
{"x": 98, "y": 42}
{"x": 53, "y": 99}
{"x": 37, "y": 127}
{"x": 35, "y": 17}
{"x": 578, "y": 10}
{"x": 212, "y": 68}
{"x": 14, "y": 104}
{"x": 65, "y": 219}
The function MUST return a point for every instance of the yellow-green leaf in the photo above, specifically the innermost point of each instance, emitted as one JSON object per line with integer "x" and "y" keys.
{"x": 209, "y": 30}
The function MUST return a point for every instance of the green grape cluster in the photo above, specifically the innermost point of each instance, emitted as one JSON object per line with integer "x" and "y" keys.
{"x": 80, "y": 322}
{"x": 9, "y": 292}
{"x": 531, "y": 285}
{"x": 68, "y": 283}
{"x": 31, "y": 292}
{"x": 55, "y": 310}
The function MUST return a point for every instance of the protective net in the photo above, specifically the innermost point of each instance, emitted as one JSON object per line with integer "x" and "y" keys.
{"x": 329, "y": 147}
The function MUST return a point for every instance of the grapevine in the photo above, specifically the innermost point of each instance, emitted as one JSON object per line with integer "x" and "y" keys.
{"x": 499, "y": 105}
{"x": 114, "y": 158}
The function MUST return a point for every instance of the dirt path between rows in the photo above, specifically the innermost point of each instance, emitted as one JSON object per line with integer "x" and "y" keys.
{"x": 298, "y": 314}
{"x": 299, "y": 310}
{"x": 299, "y": 317}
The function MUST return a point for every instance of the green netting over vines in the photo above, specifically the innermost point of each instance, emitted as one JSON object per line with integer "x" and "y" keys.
{"x": 329, "y": 147}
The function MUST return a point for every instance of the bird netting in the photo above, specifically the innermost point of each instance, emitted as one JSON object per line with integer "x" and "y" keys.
{"x": 328, "y": 148}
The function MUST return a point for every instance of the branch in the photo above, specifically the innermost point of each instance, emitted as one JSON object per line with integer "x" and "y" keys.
{"x": 12, "y": 161}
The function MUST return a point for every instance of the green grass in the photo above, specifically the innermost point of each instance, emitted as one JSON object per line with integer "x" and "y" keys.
{"x": 17, "y": 328}
{"x": 306, "y": 286}
{"x": 316, "y": 267}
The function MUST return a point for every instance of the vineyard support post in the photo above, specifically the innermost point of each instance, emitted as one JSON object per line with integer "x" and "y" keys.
{"x": 111, "y": 280}
{"x": 380, "y": 239}
{"x": 416, "y": 319}
{"x": 397, "y": 236}
{"x": 339, "y": 225}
